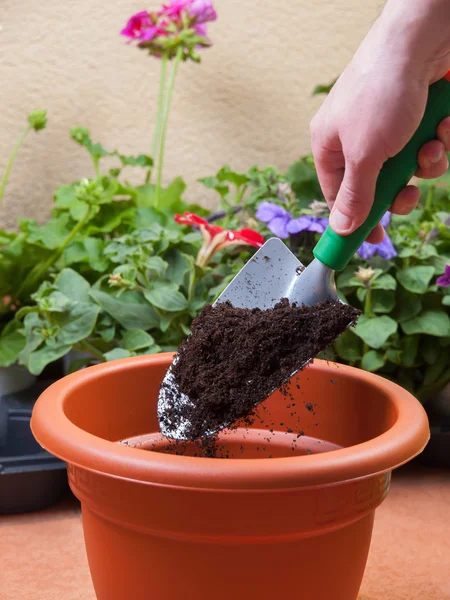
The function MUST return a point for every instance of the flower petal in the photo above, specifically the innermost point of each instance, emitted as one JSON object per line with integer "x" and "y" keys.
{"x": 193, "y": 219}
{"x": 136, "y": 24}
{"x": 278, "y": 226}
{"x": 268, "y": 210}
{"x": 249, "y": 236}
{"x": 202, "y": 10}
{"x": 386, "y": 248}
{"x": 443, "y": 281}
{"x": 366, "y": 250}
{"x": 386, "y": 219}
{"x": 307, "y": 223}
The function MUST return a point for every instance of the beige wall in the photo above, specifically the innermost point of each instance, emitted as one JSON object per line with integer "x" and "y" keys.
{"x": 248, "y": 102}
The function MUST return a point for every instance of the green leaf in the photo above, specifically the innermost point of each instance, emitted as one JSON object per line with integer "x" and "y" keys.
{"x": 213, "y": 183}
{"x": 166, "y": 297}
{"x": 39, "y": 359}
{"x": 53, "y": 234}
{"x": 65, "y": 196}
{"x": 116, "y": 354}
{"x": 145, "y": 217}
{"x": 142, "y": 160}
{"x": 146, "y": 195}
{"x": 89, "y": 251}
{"x": 408, "y": 305}
{"x": 179, "y": 265}
{"x": 130, "y": 310}
{"x": 384, "y": 282}
{"x": 324, "y": 88}
{"x": 78, "y": 210}
{"x": 435, "y": 370}
{"x": 429, "y": 322}
{"x": 372, "y": 361}
{"x": 12, "y": 343}
{"x": 446, "y": 300}
{"x": 78, "y": 324}
{"x": 73, "y": 286}
{"x": 136, "y": 339}
{"x": 394, "y": 356}
{"x": 416, "y": 279}
{"x": 304, "y": 182}
{"x": 171, "y": 195}
{"x": 237, "y": 179}
{"x": 348, "y": 346}
{"x": 375, "y": 331}
{"x": 429, "y": 349}
{"x": 410, "y": 345}
{"x": 383, "y": 301}
{"x": 361, "y": 294}
{"x": 347, "y": 279}
{"x": 156, "y": 267}
{"x": 54, "y": 302}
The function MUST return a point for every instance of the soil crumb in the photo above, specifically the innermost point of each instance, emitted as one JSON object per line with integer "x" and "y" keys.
{"x": 236, "y": 357}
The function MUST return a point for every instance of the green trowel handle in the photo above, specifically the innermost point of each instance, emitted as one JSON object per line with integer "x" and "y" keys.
{"x": 335, "y": 251}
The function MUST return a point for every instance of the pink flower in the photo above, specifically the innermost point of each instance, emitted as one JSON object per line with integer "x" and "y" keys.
{"x": 174, "y": 8}
{"x": 137, "y": 26}
{"x": 200, "y": 29}
{"x": 202, "y": 10}
{"x": 216, "y": 238}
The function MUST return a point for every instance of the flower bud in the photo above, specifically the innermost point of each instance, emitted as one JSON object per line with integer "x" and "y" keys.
{"x": 38, "y": 119}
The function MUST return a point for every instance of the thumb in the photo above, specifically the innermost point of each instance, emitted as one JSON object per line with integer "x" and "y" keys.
{"x": 355, "y": 196}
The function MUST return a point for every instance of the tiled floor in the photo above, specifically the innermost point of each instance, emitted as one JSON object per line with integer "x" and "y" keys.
{"x": 42, "y": 555}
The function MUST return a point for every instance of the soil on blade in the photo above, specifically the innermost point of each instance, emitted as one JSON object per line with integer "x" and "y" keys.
{"x": 236, "y": 357}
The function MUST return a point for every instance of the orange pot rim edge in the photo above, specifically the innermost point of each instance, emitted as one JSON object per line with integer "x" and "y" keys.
{"x": 57, "y": 434}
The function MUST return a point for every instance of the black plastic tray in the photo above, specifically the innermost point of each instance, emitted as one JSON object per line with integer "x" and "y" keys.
{"x": 30, "y": 477}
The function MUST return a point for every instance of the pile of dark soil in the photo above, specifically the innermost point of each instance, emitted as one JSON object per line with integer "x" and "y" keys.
{"x": 236, "y": 357}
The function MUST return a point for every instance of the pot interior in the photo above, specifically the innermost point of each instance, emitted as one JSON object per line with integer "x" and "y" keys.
{"x": 325, "y": 408}
{"x": 237, "y": 443}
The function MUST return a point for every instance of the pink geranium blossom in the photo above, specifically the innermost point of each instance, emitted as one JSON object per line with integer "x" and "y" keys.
{"x": 202, "y": 10}
{"x": 138, "y": 26}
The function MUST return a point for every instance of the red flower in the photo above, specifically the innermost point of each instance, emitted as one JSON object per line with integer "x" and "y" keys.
{"x": 216, "y": 238}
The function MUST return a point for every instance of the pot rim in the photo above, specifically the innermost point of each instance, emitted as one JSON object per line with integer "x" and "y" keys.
{"x": 56, "y": 433}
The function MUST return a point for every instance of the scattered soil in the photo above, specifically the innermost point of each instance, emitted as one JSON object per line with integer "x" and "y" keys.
{"x": 235, "y": 358}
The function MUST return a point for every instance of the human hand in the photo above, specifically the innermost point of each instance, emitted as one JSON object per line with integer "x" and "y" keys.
{"x": 370, "y": 114}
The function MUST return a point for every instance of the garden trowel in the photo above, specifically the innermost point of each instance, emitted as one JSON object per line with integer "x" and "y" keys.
{"x": 274, "y": 272}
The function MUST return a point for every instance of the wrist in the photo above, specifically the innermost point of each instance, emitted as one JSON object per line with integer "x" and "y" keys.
{"x": 416, "y": 32}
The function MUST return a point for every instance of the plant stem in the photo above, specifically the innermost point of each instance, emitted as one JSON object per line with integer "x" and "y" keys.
{"x": 85, "y": 346}
{"x": 159, "y": 114}
{"x": 165, "y": 119}
{"x": 12, "y": 157}
{"x": 430, "y": 199}
{"x": 368, "y": 303}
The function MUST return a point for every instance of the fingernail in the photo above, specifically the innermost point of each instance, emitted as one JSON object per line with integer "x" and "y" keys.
{"x": 340, "y": 222}
{"x": 437, "y": 158}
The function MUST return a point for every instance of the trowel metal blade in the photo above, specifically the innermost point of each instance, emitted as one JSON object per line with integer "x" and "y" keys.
{"x": 271, "y": 274}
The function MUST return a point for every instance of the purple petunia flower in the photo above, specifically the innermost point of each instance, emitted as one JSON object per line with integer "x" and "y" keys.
{"x": 444, "y": 280}
{"x": 276, "y": 217}
{"x": 385, "y": 249}
{"x": 307, "y": 223}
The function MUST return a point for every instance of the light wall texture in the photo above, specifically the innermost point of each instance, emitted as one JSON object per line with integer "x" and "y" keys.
{"x": 249, "y": 102}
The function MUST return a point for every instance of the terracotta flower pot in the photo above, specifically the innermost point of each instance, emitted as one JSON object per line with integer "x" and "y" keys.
{"x": 169, "y": 527}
